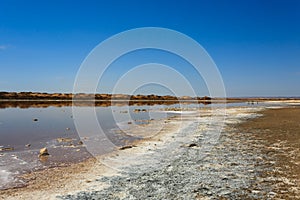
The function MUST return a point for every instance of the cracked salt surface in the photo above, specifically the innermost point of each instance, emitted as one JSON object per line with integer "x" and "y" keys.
{"x": 192, "y": 161}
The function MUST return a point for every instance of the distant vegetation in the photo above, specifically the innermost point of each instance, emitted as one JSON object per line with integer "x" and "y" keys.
{"x": 37, "y": 96}
{"x": 82, "y": 96}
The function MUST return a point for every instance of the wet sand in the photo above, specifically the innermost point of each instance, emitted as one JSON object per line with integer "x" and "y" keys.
{"x": 270, "y": 144}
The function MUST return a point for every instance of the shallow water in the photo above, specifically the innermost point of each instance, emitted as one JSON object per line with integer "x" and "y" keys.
{"x": 24, "y": 131}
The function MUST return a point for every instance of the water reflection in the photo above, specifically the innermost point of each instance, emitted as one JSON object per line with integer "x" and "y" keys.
{"x": 44, "y": 104}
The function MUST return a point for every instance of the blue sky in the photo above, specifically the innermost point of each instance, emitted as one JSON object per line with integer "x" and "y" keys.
{"x": 255, "y": 44}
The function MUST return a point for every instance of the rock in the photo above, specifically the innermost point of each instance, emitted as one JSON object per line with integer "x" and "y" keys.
{"x": 28, "y": 145}
{"x": 64, "y": 140}
{"x": 189, "y": 145}
{"x": 126, "y": 147}
{"x": 6, "y": 149}
{"x": 44, "y": 152}
{"x": 80, "y": 143}
{"x": 272, "y": 194}
{"x": 255, "y": 191}
{"x": 140, "y": 110}
{"x": 67, "y": 129}
{"x": 129, "y": 122}
{"x": 35, "y": 119}
{"x": 44, "y": 158}
{"x": 192, "y": 145}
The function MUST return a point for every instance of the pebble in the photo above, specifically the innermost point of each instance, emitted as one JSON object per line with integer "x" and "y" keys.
{"x": 6, "y": 149}
{"x": 126, "y": 147}
{"x": 255, "y": 191}
{"x": 44, "y": 152}
{"x": 272, "y": 193}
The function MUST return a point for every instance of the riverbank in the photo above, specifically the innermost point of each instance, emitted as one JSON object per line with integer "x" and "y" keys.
{"x": 252, "y": 159}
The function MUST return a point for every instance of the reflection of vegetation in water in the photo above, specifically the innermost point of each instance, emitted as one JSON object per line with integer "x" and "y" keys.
{"x": 44, "y": 104}
{"x": 36, "y": 99}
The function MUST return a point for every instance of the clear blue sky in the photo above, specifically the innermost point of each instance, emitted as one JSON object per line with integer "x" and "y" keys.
{"x": 255, "y": 43}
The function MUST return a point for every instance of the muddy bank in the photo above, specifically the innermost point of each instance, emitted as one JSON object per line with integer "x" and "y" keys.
{"x": 277, "y": 134}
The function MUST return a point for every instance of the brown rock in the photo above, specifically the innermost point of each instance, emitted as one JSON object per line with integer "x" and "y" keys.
{"x": 6, "y": 149}
{"x": 64, "y": 140}
{"x": 44, "y": 152}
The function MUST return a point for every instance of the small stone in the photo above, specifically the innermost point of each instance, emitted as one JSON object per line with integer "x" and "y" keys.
{"x": 126, "y": 147}
{"x": 44, "y": 158}
{"x": 35, "y": 119}
{"x": 272, "y": 194}
{"x": 28, "y": 145}
{"x": 259, "y": 158}
{"x": 44, "y": 152}
{"x": 255, "y": 191}
{"x": 67, "y": 129}
{"x": 6, "y": 149}
{"x": 80, "y": 143}
{"x": 189, "y": 145}
{"x": 60, "y": 140}
{"x": 192, "y": 145}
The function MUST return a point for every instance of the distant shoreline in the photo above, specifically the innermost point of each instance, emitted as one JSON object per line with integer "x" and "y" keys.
{"x": 43, "y": 100}
{"x": 38, "y": 96}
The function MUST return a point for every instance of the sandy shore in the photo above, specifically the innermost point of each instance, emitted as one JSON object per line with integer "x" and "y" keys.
{"x": 254, "y": 158}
